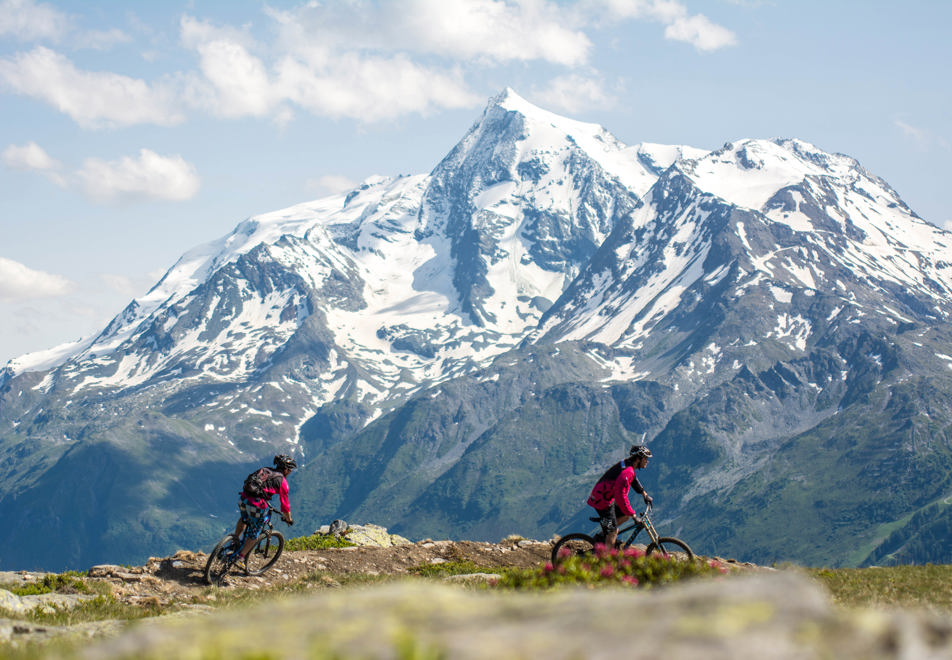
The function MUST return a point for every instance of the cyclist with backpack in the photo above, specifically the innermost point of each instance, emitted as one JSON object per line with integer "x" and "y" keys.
{"x": 258, "y": 489}
{"x": 609, "y": 497}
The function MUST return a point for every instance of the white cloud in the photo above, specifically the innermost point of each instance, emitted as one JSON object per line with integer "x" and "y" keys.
{"x": 463, "y": 30}
{"x": 370, "y": 61}
{"x": 129, "y": 286}
{"x": 92, "y": 99}
{"x": 26, "y": 20}
{"x": 19, "y": 282}
{"x": 371, "y": 88}
{"x": 150, "y": 176}
{"x": 30, "y": 156}
{"x": 922, "y": 138}
{"x": 331, "y": 184}
{"x": 573, "y": 93}
{"x": 238, "y": 83}
{"x": 700, "y": 32}
{"x": 680, "y": 25}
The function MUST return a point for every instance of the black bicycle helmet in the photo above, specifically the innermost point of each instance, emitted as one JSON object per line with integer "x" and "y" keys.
{"x": 284, "y": 462}
{"x": 639, "y": 451}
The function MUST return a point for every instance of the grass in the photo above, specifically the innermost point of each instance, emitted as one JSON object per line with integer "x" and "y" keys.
{"x": 68, "y": 582}
{"x": 317, "y": 542}
{"x": 448, "y": 568}
{"x": 928, "y": 586}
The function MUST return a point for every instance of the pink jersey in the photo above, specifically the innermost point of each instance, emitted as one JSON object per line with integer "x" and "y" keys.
{"x": 281, "y": 491}
{"x": 613, "y": 488}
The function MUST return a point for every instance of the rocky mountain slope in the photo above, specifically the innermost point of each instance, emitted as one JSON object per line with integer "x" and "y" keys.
{"x": 463, "y": 353}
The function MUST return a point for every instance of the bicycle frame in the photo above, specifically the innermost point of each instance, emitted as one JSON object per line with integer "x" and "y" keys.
{"x": 642, "y": 523}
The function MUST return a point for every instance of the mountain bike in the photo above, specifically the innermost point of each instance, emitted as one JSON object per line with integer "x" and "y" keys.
{"x": 262, "y": 556}
{"x": 583, "y": 544}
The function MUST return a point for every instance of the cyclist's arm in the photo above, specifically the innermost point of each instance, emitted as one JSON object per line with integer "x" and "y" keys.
{"x": 621, "y": 491}
{"x": 285, "y": 501}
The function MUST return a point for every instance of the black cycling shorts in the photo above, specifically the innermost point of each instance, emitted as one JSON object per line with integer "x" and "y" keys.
{"x": 609, "y": 517}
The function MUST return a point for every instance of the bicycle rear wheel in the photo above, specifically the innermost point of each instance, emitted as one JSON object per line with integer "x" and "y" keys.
{"x": 218, "y": 561}
{"x": 572, "y": 545}
{"x": 265, "y": 552}
{"x": 668, "y": 546}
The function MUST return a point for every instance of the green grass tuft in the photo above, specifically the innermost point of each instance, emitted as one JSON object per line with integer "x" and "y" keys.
{"x": 927, "y": 586}
{"x": 445, "y": 569}
{"x": 317, "y": 542}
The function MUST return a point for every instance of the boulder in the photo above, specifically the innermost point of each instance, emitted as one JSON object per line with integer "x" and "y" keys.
{"x": 373, "y": 535}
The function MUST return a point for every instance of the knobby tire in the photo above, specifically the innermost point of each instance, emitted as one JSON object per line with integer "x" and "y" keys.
{"x": 577, "y": 544}
{"x": 265, "y": 553}
{"x": 668, "y": 545}
{"x": 217, "y": 565}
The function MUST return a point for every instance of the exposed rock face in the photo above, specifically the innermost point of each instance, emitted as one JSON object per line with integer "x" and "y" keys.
{"x": 766, "y": 616}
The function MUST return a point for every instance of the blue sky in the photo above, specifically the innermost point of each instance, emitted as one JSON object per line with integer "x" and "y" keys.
{"x": 131, "y": 132}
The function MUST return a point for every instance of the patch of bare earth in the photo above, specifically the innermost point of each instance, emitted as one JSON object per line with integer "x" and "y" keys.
{"x": 164, "y": 580}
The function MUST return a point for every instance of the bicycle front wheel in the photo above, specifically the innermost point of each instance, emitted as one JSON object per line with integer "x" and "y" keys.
{"x": 264, "y": 553}
{"x": 218, "y": 561}
{"x": 572, "y": 545}
{"x": 668, "y": 546}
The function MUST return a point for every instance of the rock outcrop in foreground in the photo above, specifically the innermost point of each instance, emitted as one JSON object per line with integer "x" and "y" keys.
{"x": 766, "y": 616}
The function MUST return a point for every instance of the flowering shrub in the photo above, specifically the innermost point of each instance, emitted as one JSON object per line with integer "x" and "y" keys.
{"x": 610, "y": 566}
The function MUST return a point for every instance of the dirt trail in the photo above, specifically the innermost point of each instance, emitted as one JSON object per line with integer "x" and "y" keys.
{"x": 179, "y": 577}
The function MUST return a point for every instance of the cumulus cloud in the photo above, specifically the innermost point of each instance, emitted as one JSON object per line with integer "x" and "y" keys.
{"x": 680, "y": 24}
{"x": 19, "y": 282}
{"x": 26, "y": 20}
{"x": 92, "y": 99}
{"x": 150, "y": 176}
{"x": 370, "y": 61}
{"x": 573, "y": 93}
{"x": 30, "y": 156}
{"x": 700, "y": 32}
{"x": 236, "y": 82}
{"x": 494, "y": 30}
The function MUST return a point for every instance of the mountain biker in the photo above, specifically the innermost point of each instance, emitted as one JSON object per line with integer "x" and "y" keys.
{"x": 610, "y": 495}
{"x": 254, "y": 509}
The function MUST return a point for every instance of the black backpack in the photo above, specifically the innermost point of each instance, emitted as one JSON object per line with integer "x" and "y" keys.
{"x": 254, "y": 482}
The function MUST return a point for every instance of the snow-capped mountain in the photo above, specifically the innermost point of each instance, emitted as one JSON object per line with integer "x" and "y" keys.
{"x": 406, "y": 281}
{"x": 780, "y": 217}
{"x": 428, "y": 344}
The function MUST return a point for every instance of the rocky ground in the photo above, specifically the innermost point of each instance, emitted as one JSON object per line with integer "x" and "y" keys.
{"x": 176, "y": 583}
{"x": 180, "y": 576}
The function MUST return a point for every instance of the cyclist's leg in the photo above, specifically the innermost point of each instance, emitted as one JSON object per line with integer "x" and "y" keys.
{"x": 608, "y": 521}
{"x": 617, "y": 520}
{"x": 254, "y": 520}
{"x": 246, "y": 512}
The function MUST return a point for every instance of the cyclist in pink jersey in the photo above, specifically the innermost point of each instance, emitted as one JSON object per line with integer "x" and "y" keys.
{"x": 254, "y": 508}
{"x": 610, "y": 495}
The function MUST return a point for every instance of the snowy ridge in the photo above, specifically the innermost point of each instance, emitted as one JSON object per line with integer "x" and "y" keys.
{"x": 380, "y": 273}
{"x": 786, "y": 219}
{"x": 534, "y": 225}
